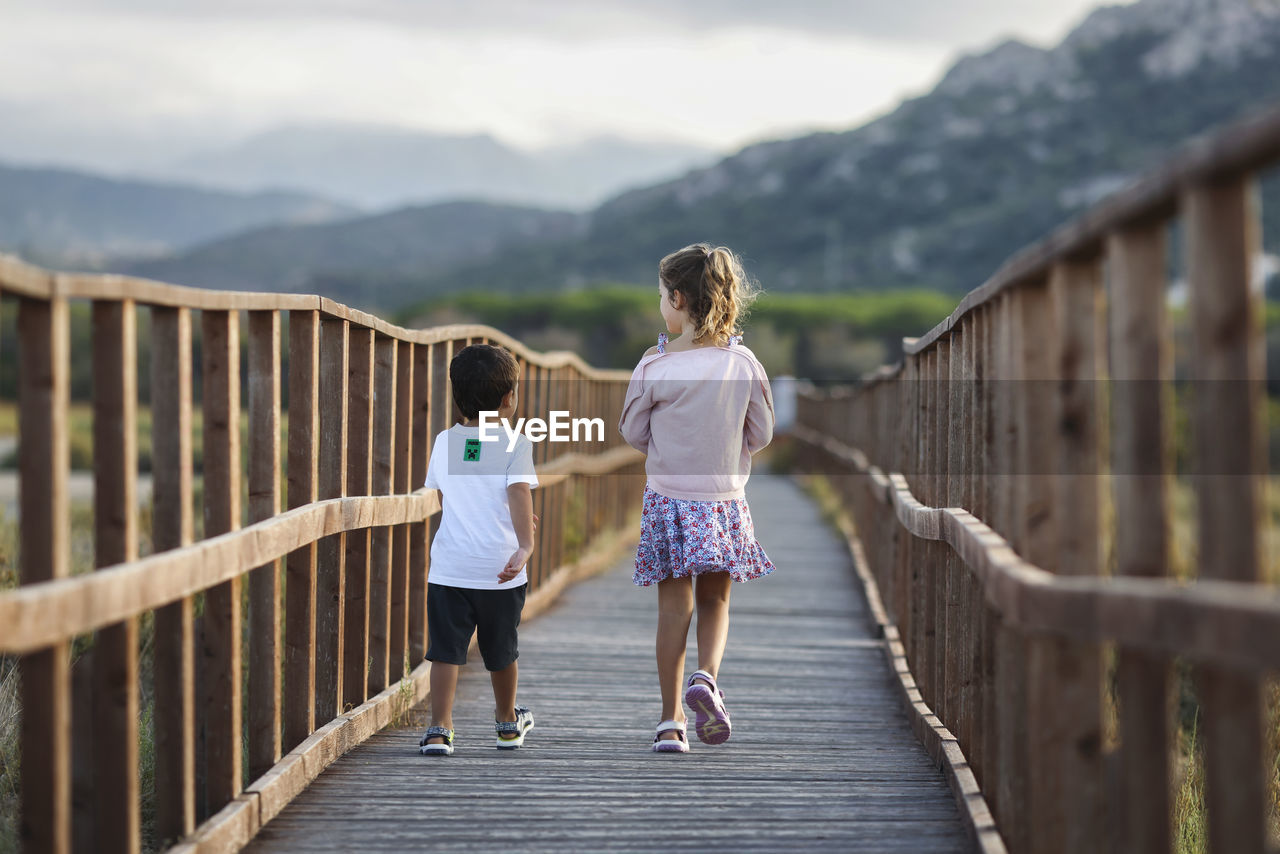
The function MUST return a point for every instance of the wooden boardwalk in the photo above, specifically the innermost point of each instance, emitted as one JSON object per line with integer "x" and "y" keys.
{"x": 821, "y": 758}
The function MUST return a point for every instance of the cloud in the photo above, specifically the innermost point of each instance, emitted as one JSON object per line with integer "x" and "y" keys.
{"x": 940, "y": 22}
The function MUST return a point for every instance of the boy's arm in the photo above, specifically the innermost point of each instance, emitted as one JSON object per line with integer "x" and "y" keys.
{"x": 520, "y": 502}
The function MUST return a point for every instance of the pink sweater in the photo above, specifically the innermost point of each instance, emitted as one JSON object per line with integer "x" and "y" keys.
{"x": 698, "y": 415}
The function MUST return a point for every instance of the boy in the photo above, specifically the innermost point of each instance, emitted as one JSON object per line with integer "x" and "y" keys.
{"x": 477, "y": 580}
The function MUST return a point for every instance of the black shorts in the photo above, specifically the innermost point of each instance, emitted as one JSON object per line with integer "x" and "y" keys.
{"x": 453, "y": 613}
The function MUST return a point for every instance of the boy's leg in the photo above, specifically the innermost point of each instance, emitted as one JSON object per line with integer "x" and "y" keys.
{"x": 675, "y": 610}
{"x": 504, "y": 691}
{"x": 450, "y": 622}
{"x": 712, "y": 595}
{"x": 444, "y": 683}
{"x": 498, "y": 637}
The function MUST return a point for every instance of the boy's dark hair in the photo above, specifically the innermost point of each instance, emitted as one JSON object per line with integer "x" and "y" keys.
{"x": 481, "y": 375}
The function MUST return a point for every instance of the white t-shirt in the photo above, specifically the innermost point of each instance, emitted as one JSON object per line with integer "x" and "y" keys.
{"x": 476, "y": 538}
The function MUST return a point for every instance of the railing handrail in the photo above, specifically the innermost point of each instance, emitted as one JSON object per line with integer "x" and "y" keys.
{"x": 37, "y": 615}
{"x": 1247, "y": 145}
{"x": 1239, "y": 616}
{"x": 19, "y": 278}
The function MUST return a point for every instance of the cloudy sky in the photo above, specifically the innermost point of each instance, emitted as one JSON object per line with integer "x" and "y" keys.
{"x": 155, "y": 75}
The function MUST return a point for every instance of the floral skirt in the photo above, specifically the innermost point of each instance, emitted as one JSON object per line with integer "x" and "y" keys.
{"x": 679, "y": 538}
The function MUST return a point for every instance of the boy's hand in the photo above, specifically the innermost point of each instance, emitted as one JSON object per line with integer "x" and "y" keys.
{"x": 514, "y": 564}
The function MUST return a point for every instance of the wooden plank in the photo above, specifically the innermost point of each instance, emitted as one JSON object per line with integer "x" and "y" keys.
{"x": 364, "y": 643}
{"x": 300, "y": 565}
{"x": 401, "y": 390}
{"x": 221, "y": 636}
{"x": 264, "y": 503}
{"x": 420, "y": 446}
{"x": 1142, "y": 373}
{"x": 332, "y": 483}
{"x": 117, "y": 815}
{"x": 1222, "y": 228}
{"x": 386, "y": 659}
{"x": 172, "y": 527}
{"x": 43, "y": 402}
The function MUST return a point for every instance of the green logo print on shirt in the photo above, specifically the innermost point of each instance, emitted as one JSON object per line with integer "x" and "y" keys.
{"x": 471, "y": 453}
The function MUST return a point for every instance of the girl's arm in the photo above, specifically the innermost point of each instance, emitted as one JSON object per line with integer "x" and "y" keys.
{"x": 634, "y": 424}
{"x": 758, "y": 430}
{"x": 520, "y": 503}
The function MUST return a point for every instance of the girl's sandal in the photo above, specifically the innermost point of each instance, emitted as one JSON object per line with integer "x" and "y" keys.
{"x": 511, "y": 733}
{"x": 445, "y": 749}
{"x": 679, "y": 744}
{"x": 707, "y": 702}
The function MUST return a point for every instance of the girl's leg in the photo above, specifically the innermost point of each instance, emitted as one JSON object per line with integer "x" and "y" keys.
{"x": 712, "y": 595}
{"x": 675, "y": 610}
{"x": 504, "y": 691}
{"x": 444, "y": 682}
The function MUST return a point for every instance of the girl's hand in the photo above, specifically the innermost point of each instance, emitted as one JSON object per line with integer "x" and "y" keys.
{"x": 535, "y": 521}
{"x": 515, "y": 563}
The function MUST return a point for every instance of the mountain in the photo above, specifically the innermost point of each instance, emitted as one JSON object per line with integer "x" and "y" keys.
{"x": 358, "y": 261}
{"x": 64, "y": 218}
{"x": 379, "y": 167}
{"x": 937, "y": 193}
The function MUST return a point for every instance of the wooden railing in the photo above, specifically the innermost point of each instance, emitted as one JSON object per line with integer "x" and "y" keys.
{"x": 331, "y": 621}
{"x": 982, "y": 467}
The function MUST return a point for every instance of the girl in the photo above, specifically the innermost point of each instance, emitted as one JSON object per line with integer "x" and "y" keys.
{"x": 698, "y": 406}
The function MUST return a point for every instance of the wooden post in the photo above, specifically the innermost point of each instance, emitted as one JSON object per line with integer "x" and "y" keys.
{"x": 365, "y": 587}
{"x": 971, "y": 488}
{"x": 1010, "y": 731}
{"x": 389, "y": 658}
{"x": 1065, "y": 702}
{"x": 332, "y": 482}
{"x": 1034, "y": 537}
{"x": 1142, "y": 372}
{"x": 117, "y": 816}
{"x": 441, "y": 412}
{"x": 951, "y": 582}
{"x": 221, "y": 639}
{"x": 300, "y": 565}
{"x": 1227, "y": 369}
{"x": 959, "y": 619}
{"x": 43, "y": 401}
{"x": 173, "y": 527}
{"x": 264, "y": 502}
{"x": 400, "y": 390}
{"x": 903, "y": 567}
{"x": 420, "y": 448}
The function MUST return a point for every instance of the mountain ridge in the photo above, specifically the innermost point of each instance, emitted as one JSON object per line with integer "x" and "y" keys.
{"x": 65, "y": 217}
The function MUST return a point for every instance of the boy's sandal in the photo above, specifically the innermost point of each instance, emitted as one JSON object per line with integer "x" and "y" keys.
{"x": 679, "y": 744}
{"x": 705, "y": 698}
{"x": 445, "y": 749}
{"x": 511, "y": 733}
